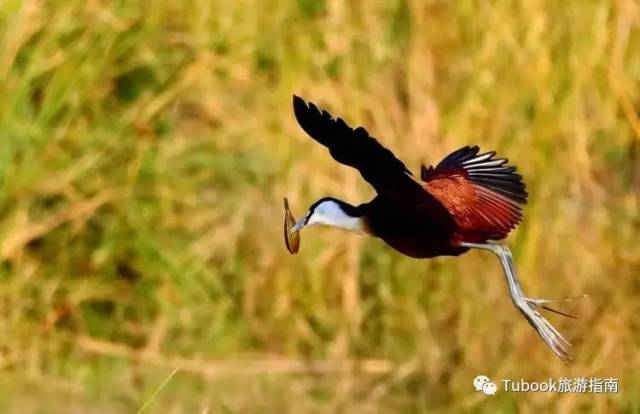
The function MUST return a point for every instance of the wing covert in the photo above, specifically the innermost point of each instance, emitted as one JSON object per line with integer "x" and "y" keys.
{"x": 482, "y": 193}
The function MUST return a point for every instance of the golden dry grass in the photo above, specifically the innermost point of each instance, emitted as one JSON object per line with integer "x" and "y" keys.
{"x": 145, "y": 151}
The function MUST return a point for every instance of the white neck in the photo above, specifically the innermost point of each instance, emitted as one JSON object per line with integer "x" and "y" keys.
{"x": 354, "y": 224}
{"x": 329, "y": 213}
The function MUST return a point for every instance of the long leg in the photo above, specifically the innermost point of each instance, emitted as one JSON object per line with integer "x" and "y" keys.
{"x": 526, "y": 306}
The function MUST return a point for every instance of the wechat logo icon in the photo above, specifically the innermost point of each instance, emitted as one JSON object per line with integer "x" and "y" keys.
{"x": 484, "y": 384}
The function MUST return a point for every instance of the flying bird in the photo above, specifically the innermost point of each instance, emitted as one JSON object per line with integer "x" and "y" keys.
{"x": 469, "y": 200}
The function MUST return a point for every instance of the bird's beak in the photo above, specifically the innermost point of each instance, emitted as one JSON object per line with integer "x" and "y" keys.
{"x": 298, "y": 226}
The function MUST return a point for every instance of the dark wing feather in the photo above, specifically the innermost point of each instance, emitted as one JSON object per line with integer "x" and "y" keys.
{"x": 482, "y": 193}
{"x": 353, "y": 147}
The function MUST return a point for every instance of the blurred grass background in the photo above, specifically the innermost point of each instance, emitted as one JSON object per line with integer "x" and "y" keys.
{"x": 146, "y": 147}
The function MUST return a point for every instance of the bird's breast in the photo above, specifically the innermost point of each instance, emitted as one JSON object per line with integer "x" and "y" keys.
{"x": 413, "y": 234}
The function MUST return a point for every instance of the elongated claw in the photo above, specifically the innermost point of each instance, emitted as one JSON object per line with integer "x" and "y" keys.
{"x": 550, "y": 335}
{"x": 539, "y": 304}
{"x": 539, "y": 301}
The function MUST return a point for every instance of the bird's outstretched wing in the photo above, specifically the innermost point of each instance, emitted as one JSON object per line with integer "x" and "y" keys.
{"x": 353, "y": 147}
{"x": 482, "y": 193}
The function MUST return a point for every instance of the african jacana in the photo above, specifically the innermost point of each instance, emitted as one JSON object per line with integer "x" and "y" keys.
{"x": 467, "y": 201}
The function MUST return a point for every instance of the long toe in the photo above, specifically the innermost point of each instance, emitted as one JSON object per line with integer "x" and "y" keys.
{"x": 540, "y": 303}
{"x": 550, "y": 335}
